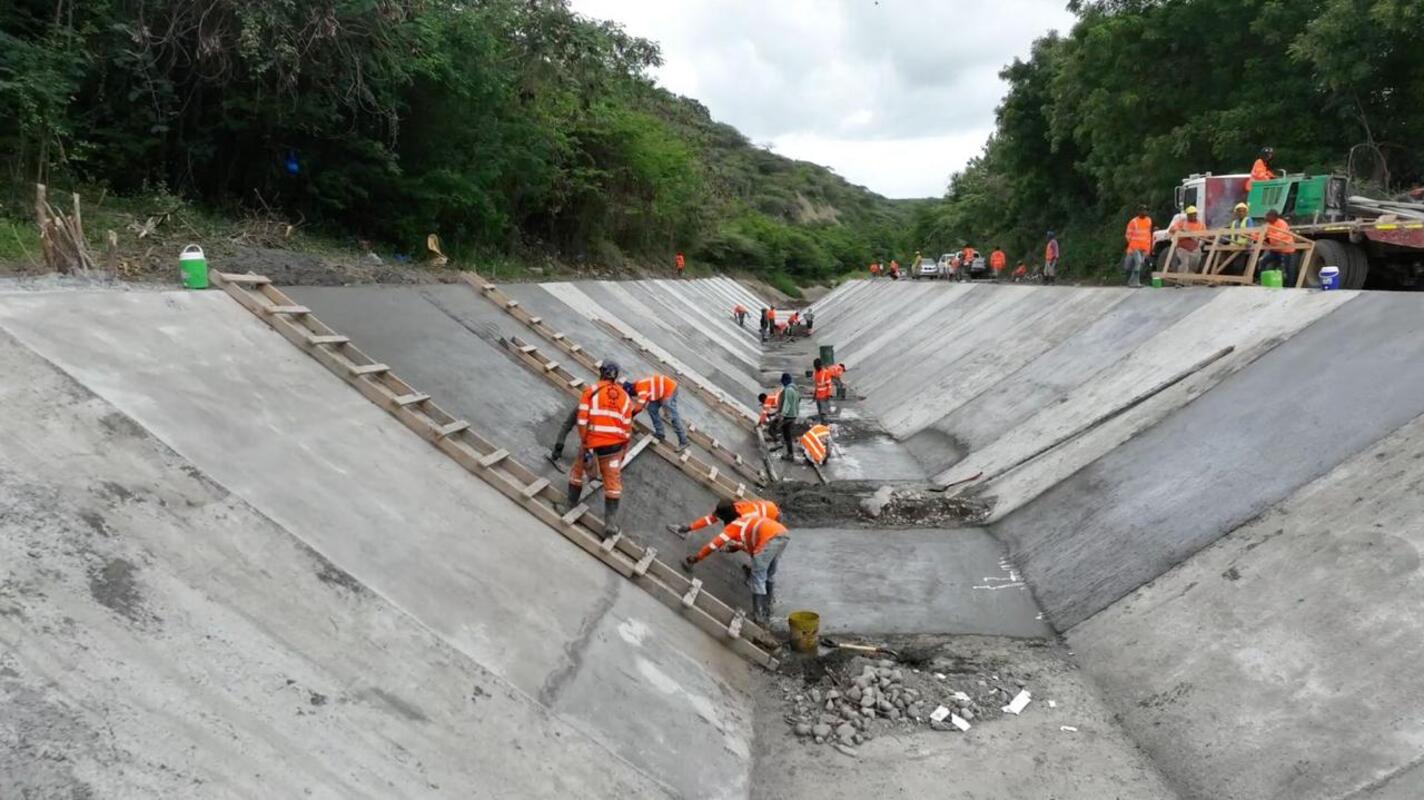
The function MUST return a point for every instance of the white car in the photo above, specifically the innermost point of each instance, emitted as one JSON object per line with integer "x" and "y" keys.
{"x": 928, "y": 269}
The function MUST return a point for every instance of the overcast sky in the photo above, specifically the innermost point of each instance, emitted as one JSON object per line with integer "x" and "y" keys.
{"x": 894, "y": 95}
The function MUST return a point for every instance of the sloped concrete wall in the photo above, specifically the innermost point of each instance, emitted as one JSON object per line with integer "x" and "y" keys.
{"x": 571, "y": 645}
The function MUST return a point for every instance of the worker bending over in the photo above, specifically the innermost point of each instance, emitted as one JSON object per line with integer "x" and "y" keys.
{"x": 769, "y": 405}
{"x": 740, "y": 313}
{"x": 764, "y": 508}
{"x": 825, "y": 378}
{"x": 761, "y": 538}
{"x": 605, "y": 424}
{"x": 816, "y": 443}
{"x": 656, "y": 393}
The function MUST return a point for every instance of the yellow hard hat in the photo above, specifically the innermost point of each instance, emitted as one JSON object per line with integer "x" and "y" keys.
{"x": 1191, "y": 209}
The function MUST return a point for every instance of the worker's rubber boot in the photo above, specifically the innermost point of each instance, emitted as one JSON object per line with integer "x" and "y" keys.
{"x": 575, "y": 492}
{"x": 770, "y": 596}
{"x": 610, "y": 519}
{"x": 760, "y": 612}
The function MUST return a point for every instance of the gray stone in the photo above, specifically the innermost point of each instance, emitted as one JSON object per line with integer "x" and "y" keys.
{"x": 845, "y": 731}
{"x": 894, "y": 714}
{"x": 821, "y": 731}
{"x": 854, "y": 694}
{"x": 867, "y": 701}
{"x": 803, "y": 730}
{"x": 830, "y": 705}
{"x": 874, "y": 505}
{"x": 833, "y": 695}
{"x": 897, "y": 675}
{"x": 967, "y": 713}
{"x": 868, "y": 713}
{"x": 884, "y": 705}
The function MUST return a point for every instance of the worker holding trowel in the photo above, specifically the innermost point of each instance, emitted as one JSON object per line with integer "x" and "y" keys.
{"x": 763, "y": 539}
{"x": 816, "y": 443}
{"x": 765, "y": 508}
{"x": 605, "y": 424}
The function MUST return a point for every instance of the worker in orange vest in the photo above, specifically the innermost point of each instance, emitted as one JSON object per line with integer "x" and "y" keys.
{"x": 1188, "y": 253}
{"x": 1021, "y": 272}
{"x": 967, "y": 255}
{"x": 1139, "y": 246}
{"x": 997, "y": 261}
{"x": 816, "y": 442}
{"x": 1261, "y": 170}
{"x": 762, "y": 538}
{"x": 656, "y": 393}
{"x": 681, "y": 264}
{"x": 1050, "y": 260}
{"x": 769, "y": 405}
{"x": 894, "y": 270}
{"x": 824, "y": 378}
{"x": 740, "y": 312}
{"x": 764, "y": 508}
{"x": 875, "y": 269}
{"x": 605, "y": 424}
{"x": 1281, "y": 248}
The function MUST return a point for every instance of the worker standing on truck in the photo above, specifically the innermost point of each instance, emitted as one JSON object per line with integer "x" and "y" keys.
{"x": 1139, "y": 246}
{"x": 743, "y": 508}
{"x": 762, "y": 538}
{"x": 1261, "y": 170}
{"x": 787, "y": 410}
{"x": 1281, "y": 247}
{"x": 998, "y": 260}
{"x": 1050, "y": 259}
{"x": 824, "y": 377}
{"x": 1188, "y": 253}
{"x": 816, "y": 443}
{"x": 655, "y": 393}
{"x": 605, "y": 424}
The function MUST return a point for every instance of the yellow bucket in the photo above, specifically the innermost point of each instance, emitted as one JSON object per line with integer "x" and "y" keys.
{"x": 805, "y": 630}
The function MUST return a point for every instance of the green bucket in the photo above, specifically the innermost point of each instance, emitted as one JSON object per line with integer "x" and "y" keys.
{"x": 193, "y": 266}
{"x": 828, "y": 354}
{"x": 1156, "y": 282}
{"x": 1273, "y": 279}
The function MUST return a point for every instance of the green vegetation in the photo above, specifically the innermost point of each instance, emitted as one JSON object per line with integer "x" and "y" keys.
{"x": 508, "y": 127}
{"x": 1142, "y": 93}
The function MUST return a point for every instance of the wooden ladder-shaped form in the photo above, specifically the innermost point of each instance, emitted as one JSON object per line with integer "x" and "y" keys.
{"x": 559, "y": 340}
{"x": 706, "y": 474}
{"x": 481, "y": 457}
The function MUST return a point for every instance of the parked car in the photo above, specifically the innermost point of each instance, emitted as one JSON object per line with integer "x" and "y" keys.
{"x": 928, "y": 269}
{"x": 978, "y": 269}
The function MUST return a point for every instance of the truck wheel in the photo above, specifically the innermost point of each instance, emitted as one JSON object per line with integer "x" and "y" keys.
{"x": 1359, "y": 266}
{"x": 1329, "y": 253}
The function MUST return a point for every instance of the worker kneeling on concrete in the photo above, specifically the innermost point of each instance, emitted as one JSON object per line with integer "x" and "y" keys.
{"x": 655, "y": 394}
{"x": 760, "y": 537}
{"x": 605, "y": 424}
{"x": 816, "y": 442}
{"x": 743, "y": 508}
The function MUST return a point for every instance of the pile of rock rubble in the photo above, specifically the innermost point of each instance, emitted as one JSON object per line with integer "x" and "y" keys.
{"x": 872, "y": 697}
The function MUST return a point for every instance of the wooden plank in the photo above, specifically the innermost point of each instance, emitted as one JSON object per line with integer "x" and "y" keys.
{"x": 291, "y": 310}
{"x": 368, "y": 369}
{"x": 691, "y": 597}
{"x": 641, "y": 568}
{"x": 533, "y": 489}
{"x": 453, "y": 428}
{"x": 316, "y": 340}
{"x": 248, "y": 280}
{"x": 734, "y": 630}
{"x": 494, "y": 458}
{"x": 575, "y": 514}
{"x": 611, "y": 543}
{"x": 411, "y": 399}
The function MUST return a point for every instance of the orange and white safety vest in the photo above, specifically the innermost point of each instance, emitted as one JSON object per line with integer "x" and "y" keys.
{"x": 1139, "y": 234}
{"x": 1259, "y": 172}
{"x": 605, "y": 415}
{"x": 768, "y": 408}
{"x": 657, "y": 387}
{"x": 815, "y": 442}
{"x": 744, "y": 508}
{"x": 825, "y": 380}
{"x": 749, "y": 533}
{"x": 997, "y": 260}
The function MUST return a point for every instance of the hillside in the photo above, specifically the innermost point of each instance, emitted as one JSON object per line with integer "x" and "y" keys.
{"x": 514, "y": 130}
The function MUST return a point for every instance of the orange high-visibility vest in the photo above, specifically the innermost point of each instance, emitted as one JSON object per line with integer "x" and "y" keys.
{"x": 1186, "y": 225}
{"x": 658, "y": 387}
{"x": 681, "y": 262}
{"x": 605, "y": 415}
{"x": 1259, "y": 172}
{"x": 825, "y": 380}
{"x": 744, "y": 508}
{"x": 769, "y": 407}
{"x": 1139, "y": 234}
{"x": 1278, "y": 237}
{"x": 737, "y": 309}
{"x": 997, "y": 260}
{"x": 749, "y": 533}
{"x": 1050, "y": 250}
{"x": 815, "y": 442}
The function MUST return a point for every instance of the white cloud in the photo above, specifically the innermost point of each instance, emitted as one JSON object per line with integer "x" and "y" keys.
{"x": 894, "y": 94}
